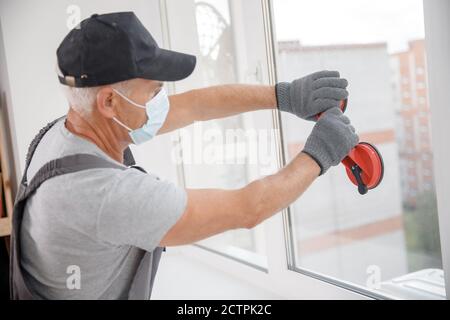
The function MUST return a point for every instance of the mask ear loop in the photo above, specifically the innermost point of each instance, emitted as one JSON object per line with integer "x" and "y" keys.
{"x": 123, "y": 125}
{"x": 133, "y": 103}
{"x": 128, "y": 99}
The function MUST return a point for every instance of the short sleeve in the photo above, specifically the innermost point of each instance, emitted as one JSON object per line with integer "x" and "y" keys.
{"x": 138, "y": 209}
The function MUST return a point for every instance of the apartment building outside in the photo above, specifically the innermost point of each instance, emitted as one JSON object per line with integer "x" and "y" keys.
{"x": 409, "y": 83}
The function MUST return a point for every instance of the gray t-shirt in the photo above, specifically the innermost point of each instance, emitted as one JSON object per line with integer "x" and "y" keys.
{"x": 91, "y": 223}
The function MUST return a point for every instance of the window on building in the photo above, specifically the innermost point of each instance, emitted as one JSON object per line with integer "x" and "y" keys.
{"x": 387, "y": 241}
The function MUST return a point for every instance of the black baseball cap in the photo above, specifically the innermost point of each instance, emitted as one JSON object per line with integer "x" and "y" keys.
{"x": 113, "y": 47}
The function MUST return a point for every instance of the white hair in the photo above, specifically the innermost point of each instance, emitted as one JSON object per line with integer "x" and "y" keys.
{"x": 83, "y": 100}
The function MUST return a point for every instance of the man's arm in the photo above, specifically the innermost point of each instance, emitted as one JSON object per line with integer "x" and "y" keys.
{"x": 216, "y": 102}
{"x": 304, "y": 97}
{"x": 210, "y": 211}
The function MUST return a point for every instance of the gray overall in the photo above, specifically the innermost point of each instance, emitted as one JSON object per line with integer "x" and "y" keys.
{"x": 143, "y": 280}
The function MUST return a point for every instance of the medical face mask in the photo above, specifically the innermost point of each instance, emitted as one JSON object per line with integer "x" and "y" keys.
{"x": 157, "y": 109}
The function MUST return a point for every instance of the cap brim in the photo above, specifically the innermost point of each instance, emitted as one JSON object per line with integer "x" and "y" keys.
{"x": 169, "y": 65}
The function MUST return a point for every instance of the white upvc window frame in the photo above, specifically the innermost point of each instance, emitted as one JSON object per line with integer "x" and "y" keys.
{"x": 437, "y": 41}
{"x": 281, "y": 277}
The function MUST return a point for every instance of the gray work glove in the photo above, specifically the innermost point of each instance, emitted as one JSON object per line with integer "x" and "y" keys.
{"x": 315, "y": 93}
{"x": 331, "y": 139}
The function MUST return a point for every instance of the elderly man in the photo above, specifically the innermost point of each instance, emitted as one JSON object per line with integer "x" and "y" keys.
{"x": 86, "y": 225}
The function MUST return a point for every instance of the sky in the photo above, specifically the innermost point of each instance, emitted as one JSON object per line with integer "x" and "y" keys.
{"x": 324, "y": 22}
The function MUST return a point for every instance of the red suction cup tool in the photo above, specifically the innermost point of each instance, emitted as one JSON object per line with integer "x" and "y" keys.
{"x": 364, "y": 166}
{"x": 364, "y": 163}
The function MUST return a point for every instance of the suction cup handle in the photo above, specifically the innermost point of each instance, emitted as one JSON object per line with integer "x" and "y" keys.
{"x": 356, "y": 171}
{"x": 364, "y": 167}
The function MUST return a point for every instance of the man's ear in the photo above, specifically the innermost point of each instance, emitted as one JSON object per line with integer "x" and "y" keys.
{"x": 107, "y": 102}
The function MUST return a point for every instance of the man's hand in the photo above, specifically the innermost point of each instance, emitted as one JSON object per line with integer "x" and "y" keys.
{"x": 315, "y": 93}
{"x": 331, "y": 139}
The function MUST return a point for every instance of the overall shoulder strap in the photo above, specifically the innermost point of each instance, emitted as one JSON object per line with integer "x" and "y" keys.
{"x": 33, "y": 145}
{"x": 65, "y": 165}
{"x": 128, "y": 158}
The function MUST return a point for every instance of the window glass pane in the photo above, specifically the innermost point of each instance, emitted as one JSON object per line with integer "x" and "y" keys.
{"x": 387, "y": 240}
{"x": 219, "y": 153}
